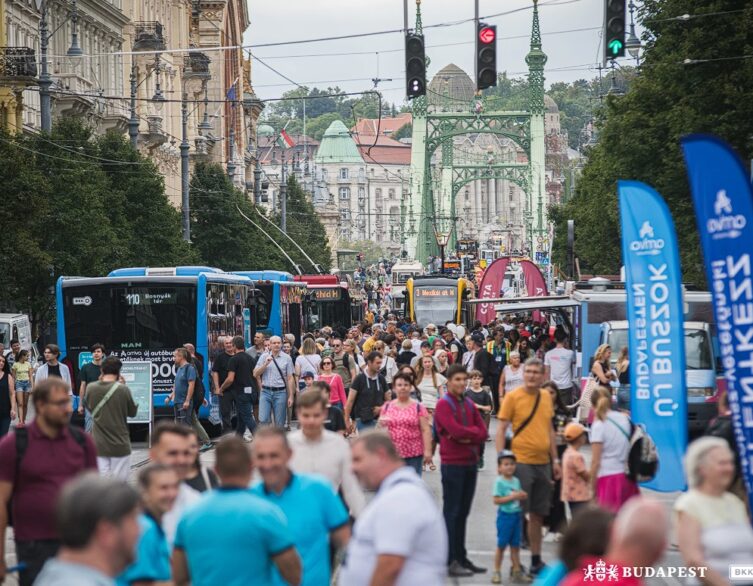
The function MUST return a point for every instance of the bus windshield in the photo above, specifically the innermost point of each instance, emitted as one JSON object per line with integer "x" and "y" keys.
{"x": 435, "y": 305}
{"x": 5, "y": 334}
{"x": 133, "y": 320}
{"x": 698, "y": 354}
{"x": 335, "y": 314}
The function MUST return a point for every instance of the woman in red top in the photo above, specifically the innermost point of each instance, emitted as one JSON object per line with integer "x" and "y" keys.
{"x": 336, "y": 388}
{"x": 407, "y": 422}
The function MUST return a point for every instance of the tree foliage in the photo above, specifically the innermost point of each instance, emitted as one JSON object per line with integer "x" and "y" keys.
{"x": 305, "y": 228}
{"x": 639, "y": 133}
{"x": 222, "y": 237}
{"x": 73, "y": 205}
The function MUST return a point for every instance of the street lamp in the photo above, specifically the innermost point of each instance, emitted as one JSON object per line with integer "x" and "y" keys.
{"x": 45, "y": 81}
{"x": 633, "y": 43}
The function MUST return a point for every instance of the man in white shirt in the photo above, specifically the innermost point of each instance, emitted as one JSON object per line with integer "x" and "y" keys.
{"x": 400, "y": 536}
{"x": 318, "y": 451}
{"x": 171, "y": 446}
{"x": 559, "y": 362}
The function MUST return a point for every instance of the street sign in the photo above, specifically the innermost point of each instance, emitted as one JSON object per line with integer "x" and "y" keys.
{"x": 542, "y": 259}
{"x": 138, "y": 378}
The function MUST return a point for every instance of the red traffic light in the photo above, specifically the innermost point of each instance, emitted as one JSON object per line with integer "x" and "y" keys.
{"x": 486, "y": 35}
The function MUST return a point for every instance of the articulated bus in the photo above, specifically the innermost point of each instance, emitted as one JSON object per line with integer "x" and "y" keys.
{"x": 146, "y": 313}
{"x": 436, "y": 299}
{"x": 332, "y": 302}
{"x": 279, "y": 303}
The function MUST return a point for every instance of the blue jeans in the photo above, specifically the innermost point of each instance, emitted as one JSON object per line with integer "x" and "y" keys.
{"x": 623, "y": 398}
{"x": 273, "y": 402}
{"x": 458, "y": 488}
{"x": 365, "y": 425}
{"x": 417, "y": 463}
{"x": 245, "y": 412}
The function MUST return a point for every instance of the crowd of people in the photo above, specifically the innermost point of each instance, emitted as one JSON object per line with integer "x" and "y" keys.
{"x": 338, "y": 430}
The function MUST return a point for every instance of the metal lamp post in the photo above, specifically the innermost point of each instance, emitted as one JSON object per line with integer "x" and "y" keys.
{"x": 45, "y": 80}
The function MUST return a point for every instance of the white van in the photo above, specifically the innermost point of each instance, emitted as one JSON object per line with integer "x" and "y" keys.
{"x": 17, "y": 326}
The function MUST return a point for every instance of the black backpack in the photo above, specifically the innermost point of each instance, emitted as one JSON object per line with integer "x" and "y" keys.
{"x": 22, "y": 443}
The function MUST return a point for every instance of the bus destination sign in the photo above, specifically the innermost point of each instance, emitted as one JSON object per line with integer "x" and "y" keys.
{"x": 435, "y": 292}
{"x": 330, "y": 294}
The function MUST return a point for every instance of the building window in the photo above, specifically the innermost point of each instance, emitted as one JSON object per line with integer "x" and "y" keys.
{"x": 344, "y": 215}
{"x": 378, "y": 193}
{"x": 345, "y": 193}
{"x": 361, "y": 192}
{"x": 512, "y": 193}
{"x": 344, "y": 173}
{"x": 391, "y": 194}
{"x": 344, "y": 233}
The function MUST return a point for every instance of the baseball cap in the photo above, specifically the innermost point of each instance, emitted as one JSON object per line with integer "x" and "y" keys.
{"x": 573, "y": 431}
{"x": 477, "y": 337}
{"x": 505, "y": 454}
{"x": 307, "y": 374}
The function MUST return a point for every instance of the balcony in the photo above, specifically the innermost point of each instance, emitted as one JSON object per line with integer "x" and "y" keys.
{"x": 18, "y": 65}
{"x": 196, "y": 66}
{"x": 148, "y": 36}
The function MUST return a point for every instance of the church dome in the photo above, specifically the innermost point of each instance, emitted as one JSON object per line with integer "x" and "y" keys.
{"x": 337, "y": 146}
{"x": 550, "y": 105}
{"x": 264, "y": 130}
{"x": 451, "y": 86}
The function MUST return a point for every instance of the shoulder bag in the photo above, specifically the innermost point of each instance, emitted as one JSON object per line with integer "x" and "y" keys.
{"x": 528, "y": 419}
{"x": 104, "y": 400}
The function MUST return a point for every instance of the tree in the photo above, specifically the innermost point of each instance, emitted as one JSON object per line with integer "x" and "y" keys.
{"x": 220, "y": 235}
{"x": 305, "y": 228}
{"x": 150, "y": 226}
{"x": 639, "y": 133}
{"x": 318, "y": 126}
{"x": 405, "y": 131}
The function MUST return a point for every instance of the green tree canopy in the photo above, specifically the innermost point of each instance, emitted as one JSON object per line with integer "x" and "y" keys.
{"x": 639, "y": 133}
{"x": 220, "y": 234}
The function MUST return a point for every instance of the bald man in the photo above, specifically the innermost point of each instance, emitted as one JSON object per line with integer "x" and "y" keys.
{"x": 638, "y": 540}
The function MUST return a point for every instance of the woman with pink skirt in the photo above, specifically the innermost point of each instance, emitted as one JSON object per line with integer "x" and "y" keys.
{"x": 610, "y": 447}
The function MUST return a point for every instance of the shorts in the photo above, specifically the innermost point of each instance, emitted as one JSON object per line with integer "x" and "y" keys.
{"x": 536, "y": 482}
{"x": 23, "y": 386}
{"x": 509, "y": 529}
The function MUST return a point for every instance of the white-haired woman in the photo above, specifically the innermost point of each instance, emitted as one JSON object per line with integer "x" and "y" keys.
{"x": 511, "y": 377}
{"x": 713, "y": 528}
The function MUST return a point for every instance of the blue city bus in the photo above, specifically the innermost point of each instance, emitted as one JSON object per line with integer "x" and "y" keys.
{"x": 279, "y": 303}
{"x": 146, "y": 313}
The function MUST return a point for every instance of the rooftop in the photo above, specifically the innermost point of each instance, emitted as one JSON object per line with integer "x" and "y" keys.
{"x": 387, "y": 126}
{"x": 337, "y": 146}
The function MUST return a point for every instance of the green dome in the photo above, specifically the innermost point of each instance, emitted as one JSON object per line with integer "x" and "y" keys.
{"x": 264, "y": 130}
{"x": 337, "y": 146}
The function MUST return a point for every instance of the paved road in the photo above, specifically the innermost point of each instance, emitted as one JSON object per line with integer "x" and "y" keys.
{"x": 481, "y": 539}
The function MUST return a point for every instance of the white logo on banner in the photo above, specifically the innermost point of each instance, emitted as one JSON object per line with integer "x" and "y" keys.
{"x": 726, "y": 224}
{"x": 82, "y": 301}
{"x": 647, "y": 245}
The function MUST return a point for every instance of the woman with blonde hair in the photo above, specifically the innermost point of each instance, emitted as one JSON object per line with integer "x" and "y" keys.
{"x": 610, "y": 448}
{"x": 713, "y": 529}
{"x": 600, "y": 375}
{"x": 623, "y": 376}
{"x": 429, "y": 382}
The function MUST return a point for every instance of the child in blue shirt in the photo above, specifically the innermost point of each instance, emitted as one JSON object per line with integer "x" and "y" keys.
{"x": 508, "y": 494}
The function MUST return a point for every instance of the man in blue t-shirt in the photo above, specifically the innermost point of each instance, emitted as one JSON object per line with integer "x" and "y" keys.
{"x": 158, "y": 485}
{"x": 183, "y": 387}
{"x": 231, "y": 536}
{"x": 314, "y": 512}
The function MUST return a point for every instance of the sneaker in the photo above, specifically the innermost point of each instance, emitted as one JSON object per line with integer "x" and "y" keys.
{"x": 519, "y": 577}
{"x": 455, "y": 570}
{"x": 496, "y": 578}
{"x": 536, "y": 569}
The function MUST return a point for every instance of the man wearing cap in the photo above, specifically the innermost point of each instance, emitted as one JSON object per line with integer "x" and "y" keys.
{"x": 528, "y": 409}
{"x": 477, "y": 358}
{"x": 368, "y": 345}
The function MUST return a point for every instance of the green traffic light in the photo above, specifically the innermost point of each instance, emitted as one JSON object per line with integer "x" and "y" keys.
{"x": 615, "y": 46}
